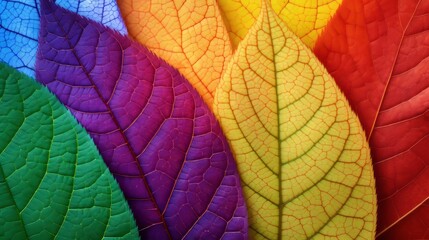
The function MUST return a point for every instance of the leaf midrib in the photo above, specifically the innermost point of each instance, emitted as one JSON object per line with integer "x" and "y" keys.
{"x": 264, "y": 8}
{"x": 126, "y": 140}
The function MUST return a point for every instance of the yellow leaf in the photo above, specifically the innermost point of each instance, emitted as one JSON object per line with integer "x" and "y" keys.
{"x": 305, "y": 18}
{"x": 301, "y": 151}
{"x": 189, "y": 34}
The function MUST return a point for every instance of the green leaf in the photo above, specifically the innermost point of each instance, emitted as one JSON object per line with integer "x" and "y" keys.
{"x": 53, "y": 182}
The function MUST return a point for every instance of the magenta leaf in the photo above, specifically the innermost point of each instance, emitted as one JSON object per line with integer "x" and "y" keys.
{"x": 158, "y": 138}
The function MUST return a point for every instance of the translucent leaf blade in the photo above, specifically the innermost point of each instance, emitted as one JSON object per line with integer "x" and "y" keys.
{"x": 301, "y": 152}
{"x": 190, "y": 35}
{"x": 154, "y": 131}
{"x": 306, "y": 19}
{"x": 53, "y": 182}
{"x": 19, "y": 27}
{"x": 380, "y": 61}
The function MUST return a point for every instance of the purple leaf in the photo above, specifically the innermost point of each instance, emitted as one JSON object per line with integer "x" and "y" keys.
{"x": 158, "y": 138}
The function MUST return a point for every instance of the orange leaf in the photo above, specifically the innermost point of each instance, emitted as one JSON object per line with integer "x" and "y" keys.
{"x": 190, "y": 35}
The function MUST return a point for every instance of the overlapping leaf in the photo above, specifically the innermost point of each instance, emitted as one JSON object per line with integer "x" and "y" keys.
{"x": 304, "y": 18}
{"x": 153, "y": 130}
{"x": 188, "y": 34}
{"x": 19, "y": 27}
{"x": 301, "y": 151}
{"x": 377, "y": 50}
{"x": 53, "y": 182}
{"x": 378, "y": 53}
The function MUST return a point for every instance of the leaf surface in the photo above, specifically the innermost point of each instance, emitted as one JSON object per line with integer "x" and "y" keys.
{"x": 413, "y": 226}
{"x": 189, "y": 34}
{"x": 158, "y": 138}
{"x": 19, "y": 27}
{"x": 301, "y": 152}
{"x": 53, "y": 181}
{"x": 304, "y": 18}
{"x": 378, "y": 53}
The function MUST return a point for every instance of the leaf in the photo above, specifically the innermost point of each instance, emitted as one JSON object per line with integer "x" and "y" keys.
{"x": 53, "y": 182}
{"x": 156, "y": 135}
{"x": 301, "y": 152}
{"x": 19, "y": 27}
{"x": 413, "y": 226}
{"x": 190, "y": 35}
{"x": 105, "y": 12}
{"x": 377, "y": 52}
{"x": 304, "y": 18}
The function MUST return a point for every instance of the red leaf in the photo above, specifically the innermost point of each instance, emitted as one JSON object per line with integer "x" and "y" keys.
{"x": 413, "y": 226}
{"x": 378, "y": 52}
